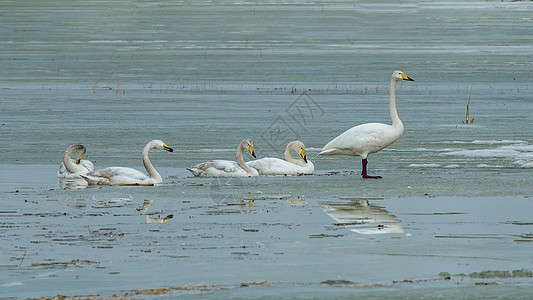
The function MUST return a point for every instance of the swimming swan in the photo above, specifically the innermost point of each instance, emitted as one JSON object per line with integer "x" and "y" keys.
{"x": 370, "y": 137}
{"x": 227, "y": 168}
{"x": 129, "y": 176}
{"x": 70, "y": 168}
{"x": 289, "y": 166}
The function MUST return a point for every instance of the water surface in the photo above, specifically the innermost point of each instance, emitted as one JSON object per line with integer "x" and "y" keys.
{"x": 204, "y": 75}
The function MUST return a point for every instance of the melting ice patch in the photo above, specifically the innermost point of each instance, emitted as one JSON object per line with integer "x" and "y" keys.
{"x": 526, "y": 164}
{"x": 488, "y": 166}
{"x": 520, "y": 152}
{"x": 15, "y": 283}
{"x": 494, "y": 142}
{"x": 433, "y": 165}
{"x": 489, "y": 142}
{"x": 488, "y": 153}
{"x": 313, "y": 149}
{"x": 424, "y": 165}
{"x": 452, "y": 166}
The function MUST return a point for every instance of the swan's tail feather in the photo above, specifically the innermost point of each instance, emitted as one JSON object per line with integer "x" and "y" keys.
{"x": 195, "y": 171}
{"x": 91, "y": 180}
{"x": 327, "y": 151}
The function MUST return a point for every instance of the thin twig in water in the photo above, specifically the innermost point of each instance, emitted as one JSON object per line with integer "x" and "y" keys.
{"x": 22, "y": 260}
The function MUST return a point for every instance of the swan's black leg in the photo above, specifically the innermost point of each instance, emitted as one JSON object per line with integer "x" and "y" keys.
{"x": 364, "y": 174}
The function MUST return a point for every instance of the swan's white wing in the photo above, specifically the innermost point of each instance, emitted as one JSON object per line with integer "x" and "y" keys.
{"x": 199, "y": 169}
{"x": 62, "y": 170}
{"x": 361, "y": 140}
{"x": 87, "y": 164}
{"x": 117, "y": 176}
{"x": 309, "y": 168}
{"x": 218, "y": 168}
{"x": 276, "y": 166}
{"x": 84, "y": 167}
{"x": 227, "y": 166}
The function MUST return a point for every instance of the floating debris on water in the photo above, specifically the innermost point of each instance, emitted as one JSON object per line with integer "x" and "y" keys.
{"x": 336, "y": 282}
{"x": 361, "y": 198}
{"x": 324, "y": 235}
{"x": 501, "y": 274}
{"x": 467, "y": 119}
{"x": 347, "y": 283}
{"x": 471, "y": 236}
{"x": 62, "y": 265}
{"x": 297, "y": 201}
{"x": 267, "y": 197}
{"x": 222, "y": 212}
{"x": 437, "y": 213}
{"x": 487, "y": 283}
{"x": 522, "y": 223}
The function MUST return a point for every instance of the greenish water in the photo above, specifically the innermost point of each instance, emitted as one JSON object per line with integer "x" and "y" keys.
{"x": 202, "y": 76}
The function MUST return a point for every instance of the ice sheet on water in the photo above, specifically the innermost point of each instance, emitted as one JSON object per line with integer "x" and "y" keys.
{"x": 488, "y": 166}
{"x": 492, "y": 142}
{"x": 424, "y": 165}
{"x": 520, "y": 152}
{"x": 498, "y": 152}
{"x": 487, "y": 142}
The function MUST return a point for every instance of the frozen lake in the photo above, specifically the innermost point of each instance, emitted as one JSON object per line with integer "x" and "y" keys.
{"x": 450, "y": 218}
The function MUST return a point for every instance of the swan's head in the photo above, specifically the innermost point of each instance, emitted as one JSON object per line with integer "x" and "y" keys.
{"x": 158, "y": 144}
{"x": 399, "y": 75}
{"x": 80, "y": 151}
{"x": 248, "y": 144}
{"x": 299, "y": 147}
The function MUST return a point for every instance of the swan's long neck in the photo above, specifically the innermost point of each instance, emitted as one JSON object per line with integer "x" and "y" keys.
{"x": 290, "y": 158}
{"x": 69, "y": 165}
{"x": 396, "y": 122}
{"x": 240, "y": 159}
{"x": 148, "y": 164}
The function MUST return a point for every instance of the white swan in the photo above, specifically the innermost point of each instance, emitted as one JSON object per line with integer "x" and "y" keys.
{"x": 370, "y": 137}
{"x": 71, "y": 168}
{"x": 289, "y": 166}
{"x": 129, "y": 176}
{"x": 227, "y": 168}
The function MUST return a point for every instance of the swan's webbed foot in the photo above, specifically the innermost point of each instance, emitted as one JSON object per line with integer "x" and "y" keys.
{"x": 364, "y": 174}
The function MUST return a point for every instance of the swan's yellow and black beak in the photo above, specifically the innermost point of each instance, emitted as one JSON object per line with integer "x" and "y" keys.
{"x": 405, "y": 77}
{"x": 302, "y": 153}
{"x": 169, "y": 216}
{"x": 78, "y": 161}
{"x": 251, "y": 149}
{"x": 165, "y": 147}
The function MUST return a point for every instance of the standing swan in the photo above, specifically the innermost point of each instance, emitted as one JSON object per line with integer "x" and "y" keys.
{"x": 289, "y": 166}
{"x": 129, "y": 176}
{"x": 370, "y": 137}
{"x": 70, "y": 168}
{"x": 227, "y": 168}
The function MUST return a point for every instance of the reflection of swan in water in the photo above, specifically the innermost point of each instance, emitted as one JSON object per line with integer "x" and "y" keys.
{"x": 154, "y": 217}
{"x": 227, "y": 168}
{"x": 361, "y": 217}
{"x": 289, "y": 166}
{"x": 71, "y": 168}
{"x": 157, "y": 218}
{"x": 129, "y": 176}
{"x": 72, "y": 183}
